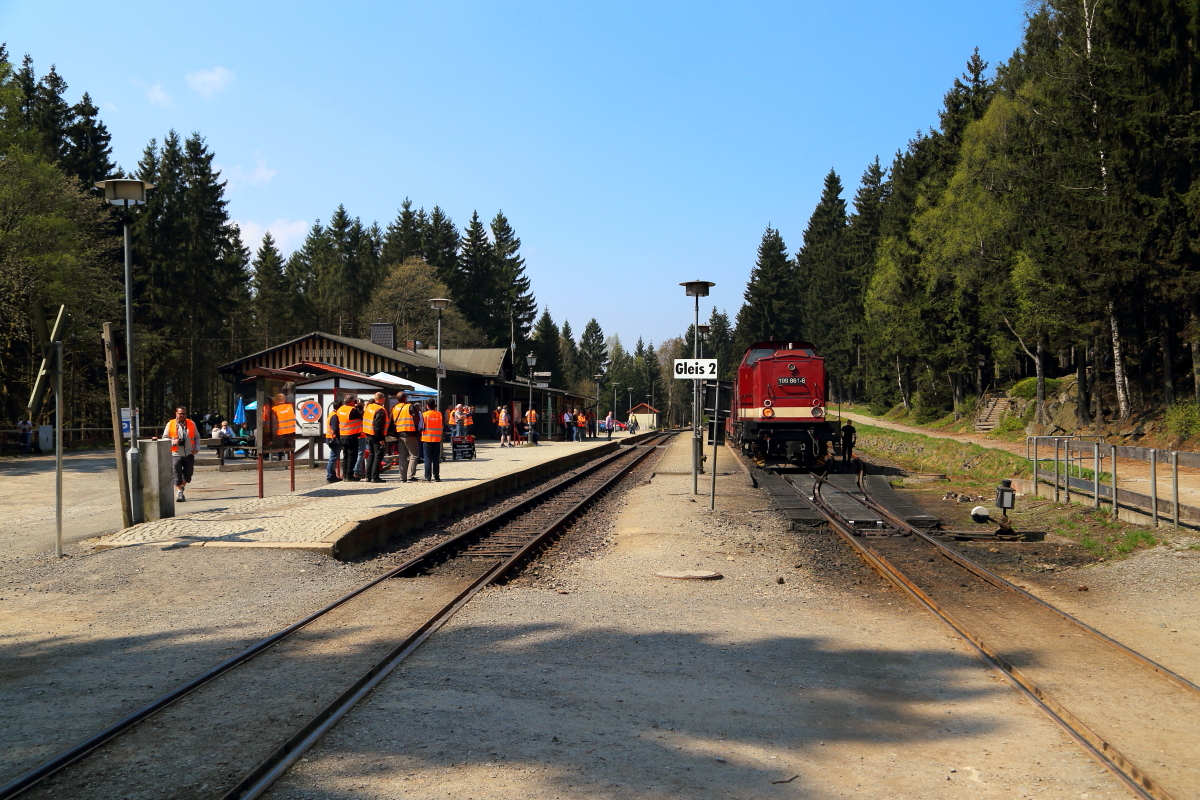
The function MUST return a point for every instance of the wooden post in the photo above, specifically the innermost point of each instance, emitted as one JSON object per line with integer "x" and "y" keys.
{"x": 292, "y": 467}
{"x": 260, "y": 472}
{"x": 110, "y": 368}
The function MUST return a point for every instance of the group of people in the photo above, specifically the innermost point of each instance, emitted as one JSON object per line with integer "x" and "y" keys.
{"x": 511, "y": 434}
{"x": 357, "y": 433}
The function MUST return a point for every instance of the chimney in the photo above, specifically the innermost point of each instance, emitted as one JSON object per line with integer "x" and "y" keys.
{"x": 383, "y": 334}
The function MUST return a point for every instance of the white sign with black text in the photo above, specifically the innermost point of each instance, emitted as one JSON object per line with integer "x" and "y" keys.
{"x": 695, "y": 369}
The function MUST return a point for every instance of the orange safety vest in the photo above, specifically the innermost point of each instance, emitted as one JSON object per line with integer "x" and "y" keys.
{"x": 531, "y": 417}
{"x": 347, "y": 426}
{"x": 470, "y": 418}
{"x": 172, "y": 433}
{"x": 403, "y": 418}
{"x": 369, "y": 419}
{"x": 285, "y": 419}
{"x": 433, "y": 426}
{"x": 581, "y": 421}
{"x": 329, "y": 424}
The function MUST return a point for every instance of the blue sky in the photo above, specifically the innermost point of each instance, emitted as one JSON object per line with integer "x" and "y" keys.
{"x": 632, "y": 146}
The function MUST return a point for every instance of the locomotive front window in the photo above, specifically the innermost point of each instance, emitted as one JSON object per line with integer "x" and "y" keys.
{"x": 757, "y": 353}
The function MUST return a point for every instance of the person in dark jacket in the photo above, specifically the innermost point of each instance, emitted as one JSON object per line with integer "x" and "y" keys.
{"x": 849, "y": 439}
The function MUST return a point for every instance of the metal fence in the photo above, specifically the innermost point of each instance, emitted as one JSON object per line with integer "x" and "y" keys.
{"x": 1074, "y": 453}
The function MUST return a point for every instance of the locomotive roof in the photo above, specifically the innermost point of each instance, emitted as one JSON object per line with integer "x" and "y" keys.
{"x": 792, "y": 345}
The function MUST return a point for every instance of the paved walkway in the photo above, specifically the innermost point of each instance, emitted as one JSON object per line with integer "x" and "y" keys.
{"x": 1132, "y": 474}
{"x": 309, "y": 517}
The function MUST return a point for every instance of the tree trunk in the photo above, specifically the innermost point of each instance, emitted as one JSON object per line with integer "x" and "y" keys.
{"x": 1081, "y": 384}
{"x": 1041, "y": 382}
{"x": 1168, "y": 354}
{"x": 1118, "y": 367}
{"x": 900, "y": 383}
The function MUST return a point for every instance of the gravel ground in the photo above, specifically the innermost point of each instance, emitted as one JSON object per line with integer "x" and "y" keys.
{"x": 799, "y": 674}
{"x": 96, "y": 635}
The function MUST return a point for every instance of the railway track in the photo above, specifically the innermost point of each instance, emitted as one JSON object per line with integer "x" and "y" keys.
{"x": 206, "y": 737}
{"x": 1136, "y": 717}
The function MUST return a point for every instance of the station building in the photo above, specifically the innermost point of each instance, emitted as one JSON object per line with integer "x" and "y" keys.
{"x": 485, "y": 378}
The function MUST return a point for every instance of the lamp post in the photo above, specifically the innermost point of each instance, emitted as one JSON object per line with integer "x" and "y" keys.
{"x": 530, "y": 359}
{"x": 125, "y": 192}
{"x": 696, "y": 289}
{"x": 703, "y": 331}
{"x": 614, "y": 408}
{"x": 441, "y": 304}
{"x": 598, "y": 376}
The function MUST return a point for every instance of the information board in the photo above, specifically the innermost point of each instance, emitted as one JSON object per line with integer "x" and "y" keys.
{"x": 462, "y": 447}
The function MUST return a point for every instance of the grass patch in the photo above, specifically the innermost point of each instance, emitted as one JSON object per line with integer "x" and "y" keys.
{"x": 1027, "y": 389}
{"x": 929, "y": 454}
{"x": 1183, "y": 419}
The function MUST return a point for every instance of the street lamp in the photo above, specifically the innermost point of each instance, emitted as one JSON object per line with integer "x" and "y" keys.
{"x": 696, "y": 289}
{"x": 703, "y": 331}
{"x": 614, "y": 408}
{"x": 530, "y": 359}
{"x": 125, "y": 192}
{"x": 598, "y": 376}
{"x": 441, "y": 304}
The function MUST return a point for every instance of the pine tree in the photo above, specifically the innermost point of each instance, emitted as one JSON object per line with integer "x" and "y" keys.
{"x": 440, "y": 244}
{"x": 402, "y": 239}
{"x": 88, "y": 151}
{"x": 477, "y": 292}
{"x": 593, "y": 357}
{"x": 767, "y": 311}
{"x": 568, "y": 356}
{"x": 825, "y": 294}
{"x": 513, "y": 286}
{"x": 270, "y": 292}
{"x": 546, "y": 347}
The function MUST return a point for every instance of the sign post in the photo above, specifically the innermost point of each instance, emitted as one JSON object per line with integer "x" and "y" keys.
{"x": 695, "y": 369}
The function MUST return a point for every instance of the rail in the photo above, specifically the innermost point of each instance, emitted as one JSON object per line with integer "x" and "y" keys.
{"x": 260, "y": 778}
{"x": 1132, "y": 776}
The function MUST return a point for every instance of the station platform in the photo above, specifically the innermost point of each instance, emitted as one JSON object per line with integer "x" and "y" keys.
{"x": 348, "y": 519}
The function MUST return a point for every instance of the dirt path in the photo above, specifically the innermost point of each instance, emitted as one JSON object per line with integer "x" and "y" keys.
{"x": 1132, "y": 474}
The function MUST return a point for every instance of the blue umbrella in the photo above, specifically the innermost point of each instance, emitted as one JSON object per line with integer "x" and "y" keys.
{"x": 239, "y": 413}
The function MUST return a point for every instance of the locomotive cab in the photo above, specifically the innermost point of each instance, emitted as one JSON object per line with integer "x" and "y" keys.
{"x": 779, "y": 404}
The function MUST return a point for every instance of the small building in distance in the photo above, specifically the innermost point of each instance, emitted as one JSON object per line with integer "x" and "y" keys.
{"x": 645, "y": 415}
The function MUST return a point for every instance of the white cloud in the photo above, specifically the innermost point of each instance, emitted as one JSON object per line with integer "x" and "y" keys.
{"x": 288, "y": 234}
{"x": 156, "y": 94}
{"x": 210, "y": 81}
{"x": 237, "y": 176}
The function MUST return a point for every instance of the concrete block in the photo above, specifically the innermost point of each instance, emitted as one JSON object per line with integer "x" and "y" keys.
{"x": 158, "y": 496}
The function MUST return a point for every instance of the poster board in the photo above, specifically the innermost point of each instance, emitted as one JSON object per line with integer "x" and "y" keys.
{"x": 276, "y": 415}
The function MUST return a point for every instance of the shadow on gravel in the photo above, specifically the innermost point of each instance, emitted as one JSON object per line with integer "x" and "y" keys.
{"x": 610, "y": 714}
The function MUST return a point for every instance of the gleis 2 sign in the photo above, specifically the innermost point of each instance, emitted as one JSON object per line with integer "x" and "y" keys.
{"x": 695, "y": 369}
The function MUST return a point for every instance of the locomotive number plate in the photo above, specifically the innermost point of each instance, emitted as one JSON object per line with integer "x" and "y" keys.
{"x": 793, "y": 381}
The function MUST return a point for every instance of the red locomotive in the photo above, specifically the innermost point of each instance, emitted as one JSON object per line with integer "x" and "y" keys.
{"x": 778, "y": 402}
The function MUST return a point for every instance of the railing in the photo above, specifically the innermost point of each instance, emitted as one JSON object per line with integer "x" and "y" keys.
{"x": 1097, "y": 450}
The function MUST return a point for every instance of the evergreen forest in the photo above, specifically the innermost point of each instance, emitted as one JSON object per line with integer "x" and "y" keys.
{"x": 1046, "y": 226}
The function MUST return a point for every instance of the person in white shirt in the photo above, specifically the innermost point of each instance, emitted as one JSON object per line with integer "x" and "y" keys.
{"x": 185, "y": 443}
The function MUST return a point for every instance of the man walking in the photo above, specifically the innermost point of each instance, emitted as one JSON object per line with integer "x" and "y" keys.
{"x": 431, "y": 441}
{"x": 349, "y": 420}
{"x": 849, "y": 439}
{"x": 609, "y": 424}
{"x": 406, "y": 421}
{"x": 375, "y": 428}
{"x": 185, "y": 442}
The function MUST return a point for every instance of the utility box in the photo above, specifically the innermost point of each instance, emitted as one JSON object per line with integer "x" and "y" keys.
{"x": 158, "y": 497}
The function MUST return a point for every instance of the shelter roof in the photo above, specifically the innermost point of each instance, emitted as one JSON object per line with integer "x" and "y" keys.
{"x": 487, "y": 361}
{"x": 643, "y": 408}
{"x": 414, "y": 359}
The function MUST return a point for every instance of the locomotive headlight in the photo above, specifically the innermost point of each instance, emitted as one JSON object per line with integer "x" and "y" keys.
{"x": 768, "y": 412}
{"x": 768, "y": 402}
{"x": 818, "y": 411}
{"x": 792, "y": 367}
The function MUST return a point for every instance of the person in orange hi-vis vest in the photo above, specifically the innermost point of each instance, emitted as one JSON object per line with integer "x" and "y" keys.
{"x": 349, "y": 433}
{"x": 375, "y": 429}
{"x": 407, "y": 422}
{"x": 335, "y": 444}
{"x": 431, "y": 441}
{"x": 185, "y": 443}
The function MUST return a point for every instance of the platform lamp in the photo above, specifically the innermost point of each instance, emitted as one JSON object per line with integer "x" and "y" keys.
{"x": 531, "y": 360}
{"x": 599, "y": 376}
{"x": 126, "y": 192}
{"x": 703, "y": 331}
{"x": 614, "y": 407}
{"x": 696, "y": 289}
{"x": 441, "y": 304}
